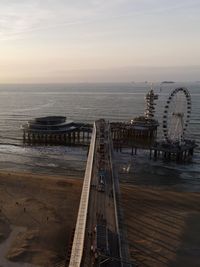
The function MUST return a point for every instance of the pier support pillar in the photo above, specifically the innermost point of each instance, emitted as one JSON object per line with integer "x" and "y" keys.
{"x": 155, "y": 154}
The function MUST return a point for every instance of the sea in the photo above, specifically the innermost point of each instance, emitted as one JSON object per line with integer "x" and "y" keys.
{"x": 86, "y": 102}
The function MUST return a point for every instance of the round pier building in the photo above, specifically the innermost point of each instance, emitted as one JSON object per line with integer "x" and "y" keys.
{"x": 55, "y": 130}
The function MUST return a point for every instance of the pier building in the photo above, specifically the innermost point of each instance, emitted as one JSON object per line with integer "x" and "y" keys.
{"x": 140, "y": 132}
{"x": 56, "y": 130}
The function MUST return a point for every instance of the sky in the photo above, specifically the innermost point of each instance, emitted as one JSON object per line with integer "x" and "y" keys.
{"x": 50, "y": 41}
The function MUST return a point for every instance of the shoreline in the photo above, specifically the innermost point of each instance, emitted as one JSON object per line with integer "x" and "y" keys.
{"x": 48, "y": 176}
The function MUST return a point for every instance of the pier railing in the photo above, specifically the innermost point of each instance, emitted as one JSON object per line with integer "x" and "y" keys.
{"x": 78, "y": 243}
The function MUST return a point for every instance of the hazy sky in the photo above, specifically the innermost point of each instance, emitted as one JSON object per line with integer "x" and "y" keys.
{"x": 99, "y": 40}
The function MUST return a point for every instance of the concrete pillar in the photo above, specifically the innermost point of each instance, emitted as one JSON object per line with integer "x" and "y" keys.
{"x": 73, "y": 137}
{"x": 78, "y": 137}
{"x": 34, "y": 137}
{"x": 155, "y": 154}
{"x": 29, "y": 139}
{"x": 83, "y": 136}
{"x": 69, "y": 137}
{"x": 135, "y": 150}
{"x": 45, "y": 139}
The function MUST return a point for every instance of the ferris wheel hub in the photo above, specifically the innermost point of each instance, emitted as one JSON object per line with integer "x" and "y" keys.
{"x": 178, "y": 114}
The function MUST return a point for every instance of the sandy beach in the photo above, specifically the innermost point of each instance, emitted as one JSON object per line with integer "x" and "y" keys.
{"x": 37, "y": 217}
{"x": 38, "y": 214}
{"x": 163, "y": 226}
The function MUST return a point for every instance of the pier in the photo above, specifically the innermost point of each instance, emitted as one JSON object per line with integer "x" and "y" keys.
{"x": 173, "y": 151}
{"x": 140, "y": 134}
{"x": 56, "y": 130}
{"x": 98, "y": 238}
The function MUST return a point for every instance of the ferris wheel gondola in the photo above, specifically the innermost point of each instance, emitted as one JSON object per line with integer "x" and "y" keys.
{"x": 176, "y": 116}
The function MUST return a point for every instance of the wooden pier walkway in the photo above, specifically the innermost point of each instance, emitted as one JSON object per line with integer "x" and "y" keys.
{"x": 98, "y": 238}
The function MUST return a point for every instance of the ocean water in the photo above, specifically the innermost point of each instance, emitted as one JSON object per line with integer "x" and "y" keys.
{"x": 85, "y": 103}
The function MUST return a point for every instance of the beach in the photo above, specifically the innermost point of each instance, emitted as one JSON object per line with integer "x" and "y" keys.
{"x": 38, "y": 215}
{"x": 162, "y": 225}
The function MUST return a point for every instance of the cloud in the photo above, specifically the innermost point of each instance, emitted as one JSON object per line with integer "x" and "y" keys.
{"x": 17, "y": 18}
{"x": 20, "y": 17}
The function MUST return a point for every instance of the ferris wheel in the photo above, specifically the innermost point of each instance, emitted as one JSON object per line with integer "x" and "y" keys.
{"x": 176, "y": 116}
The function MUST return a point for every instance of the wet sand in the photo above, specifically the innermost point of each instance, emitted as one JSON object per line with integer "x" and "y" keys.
{"x": 4, "y": 248}
{"x": 37, "y": 217}
{"x": 38, "y": 214}
{"x": 163, "y": 226}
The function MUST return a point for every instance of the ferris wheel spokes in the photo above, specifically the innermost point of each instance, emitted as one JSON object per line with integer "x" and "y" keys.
{"x": 176, "y": 115}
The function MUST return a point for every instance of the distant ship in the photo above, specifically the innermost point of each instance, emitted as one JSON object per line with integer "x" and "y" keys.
{"x": 168, "y": 82}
